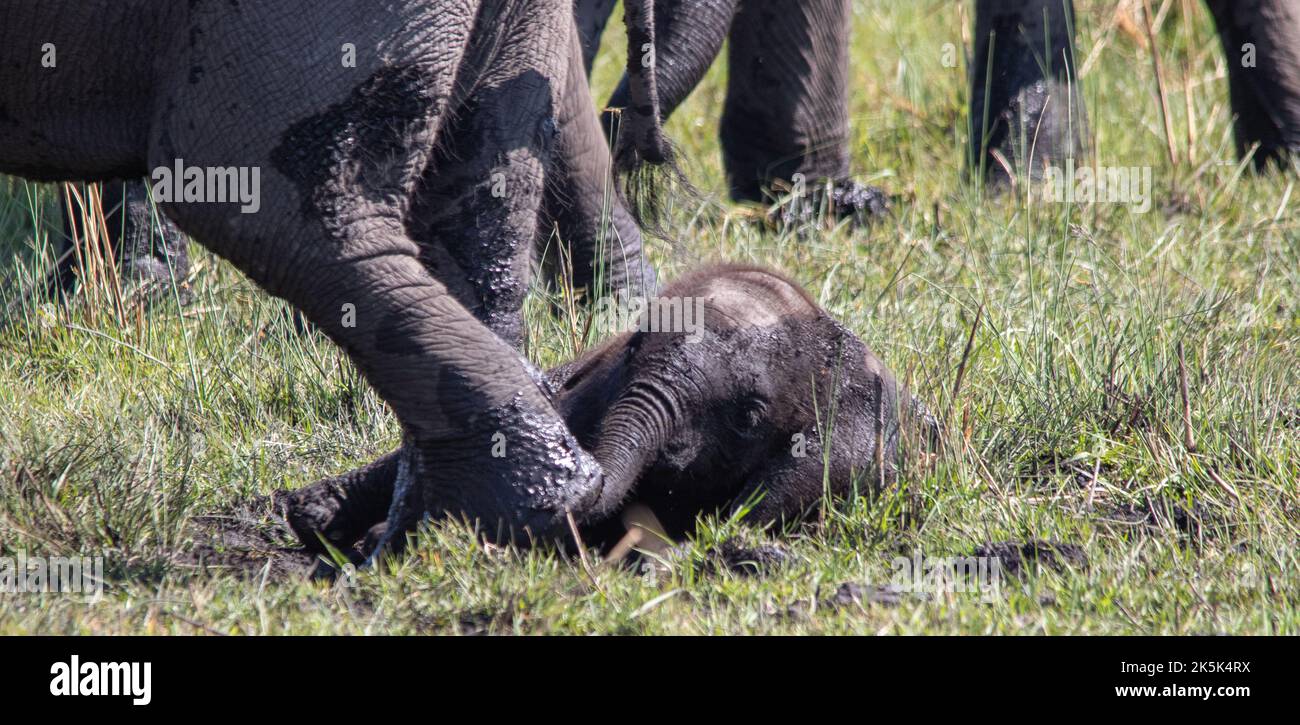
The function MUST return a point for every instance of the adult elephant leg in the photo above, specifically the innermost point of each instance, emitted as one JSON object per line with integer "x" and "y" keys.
{"x": 580, "y": 198}
{"x": 787, "y": 94}
{"x": 148, "y": 248}
{"x": 466, "y": 219}
{"x": 786, "y": 114}
{"x": 479, "y": 203}
{"x": 454, "y": 384}
{"x": 1026, "y": 111}
{"x": 688, "y": 38}
{"x": 1260, "y": 40}
{"x": 482, "y": 201}
{"x": 599, "y": 245}
{"x": 332, "y": 234}
{"x": 592, "y": 16}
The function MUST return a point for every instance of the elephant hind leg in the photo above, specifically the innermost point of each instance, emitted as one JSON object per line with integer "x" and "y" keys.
{"x": 1026, "y": 111}
{"x": 599, "y": 246}
{"x": 786, "y": 110}
{"x": 786, "y": 116}
{"x": 1259, "y": 39}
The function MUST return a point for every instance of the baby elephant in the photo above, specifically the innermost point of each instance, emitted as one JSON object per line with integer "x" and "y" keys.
{"x": 734, "y": 389}
{"x": 761, "y": 399}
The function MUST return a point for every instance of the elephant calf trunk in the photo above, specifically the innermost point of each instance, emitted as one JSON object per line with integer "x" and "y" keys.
{"x": 630, "y": 437}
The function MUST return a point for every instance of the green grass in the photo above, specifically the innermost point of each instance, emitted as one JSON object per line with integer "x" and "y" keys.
{"x": 117, "y": 431}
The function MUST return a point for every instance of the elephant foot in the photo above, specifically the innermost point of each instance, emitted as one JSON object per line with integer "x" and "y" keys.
{"x": 340, "y": 510}
{"x": 519, "y": 484}
{"x": 144, "y": 277}
{"x": 860, "y": 204}
{"x": 150, "y": 279}
{"x": 517, "y": 479}
{"x": 528, "y": 477}
{"x": 1026, "y": 112}
{"x": 153, "y": 254}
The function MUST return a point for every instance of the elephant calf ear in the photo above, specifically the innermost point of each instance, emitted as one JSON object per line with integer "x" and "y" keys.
{"x": 587, "y": 387}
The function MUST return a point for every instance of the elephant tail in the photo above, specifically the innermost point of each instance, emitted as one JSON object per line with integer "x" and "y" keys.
{"x": 644, "y": 160}
{"x": 641, "y": 137}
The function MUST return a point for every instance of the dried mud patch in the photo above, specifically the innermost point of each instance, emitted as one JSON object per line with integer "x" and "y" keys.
{"x": 246, "y": 539}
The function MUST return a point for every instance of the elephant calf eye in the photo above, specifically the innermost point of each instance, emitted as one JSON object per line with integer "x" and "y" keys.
{"x": 748, "y": 416}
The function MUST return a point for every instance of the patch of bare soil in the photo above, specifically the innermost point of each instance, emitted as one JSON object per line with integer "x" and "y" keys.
{"x": 246, "y": 539}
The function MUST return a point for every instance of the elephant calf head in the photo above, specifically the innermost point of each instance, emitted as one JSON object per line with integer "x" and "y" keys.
{"x": 734, "y": 387}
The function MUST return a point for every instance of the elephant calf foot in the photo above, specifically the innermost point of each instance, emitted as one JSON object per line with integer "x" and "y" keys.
{"x": 859, "y": 203}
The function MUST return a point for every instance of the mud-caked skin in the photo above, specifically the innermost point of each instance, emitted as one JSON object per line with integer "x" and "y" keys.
{"x": 1026, "y": 111}
{"x": 377, "y": 181}
{"x": 773, "y": 402}
{"x": 753, "y": 407}
{"x": 581, "y": 206}
{"x": 151, "y": 254}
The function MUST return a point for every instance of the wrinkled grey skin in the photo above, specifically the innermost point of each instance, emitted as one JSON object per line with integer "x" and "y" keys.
{"x": 1026, "y": 48}
{"x": 774, "y": 403}
{"x": 693, "y": 423}
{"x": 599, "y": 245}
{"x": 376, "y": 193}
{"x": 786, "y": 113}
{"x": 581, "y": 205}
